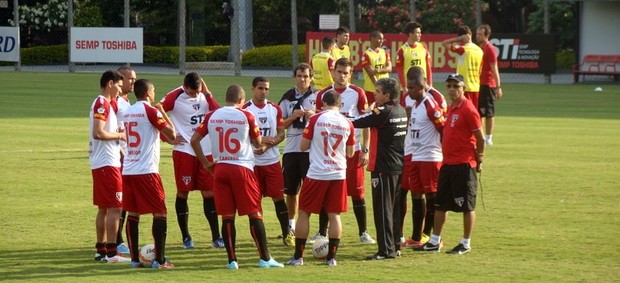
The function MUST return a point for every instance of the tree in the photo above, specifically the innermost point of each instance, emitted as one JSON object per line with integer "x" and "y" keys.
{"x": 562, "y": 22}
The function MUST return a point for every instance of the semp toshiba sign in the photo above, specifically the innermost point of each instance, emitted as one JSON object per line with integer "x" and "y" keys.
{"x": 525, "y": 53}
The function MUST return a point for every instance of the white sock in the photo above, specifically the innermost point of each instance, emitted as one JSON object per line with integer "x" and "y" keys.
{"x": 435, "y": 239}
{"x": 291, "y": 223}
{"x": 466, "y": 243}
{"x": 489, "y": 138}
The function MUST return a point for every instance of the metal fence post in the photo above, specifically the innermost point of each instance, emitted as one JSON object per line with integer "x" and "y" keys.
{"x": 18, "y": 64}
{"x": 181, "y": 37}
{"x": 69, "y": 26}
{"x": 352, "y": 15}
{"x": 547, "y": 29}
{"x": 412, "y": 10}
{"x": 294, "y": 31}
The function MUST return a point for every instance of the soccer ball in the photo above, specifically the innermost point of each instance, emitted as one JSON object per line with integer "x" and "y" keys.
{"x": 320, "y": 248}
{"x": 147, "y": 255}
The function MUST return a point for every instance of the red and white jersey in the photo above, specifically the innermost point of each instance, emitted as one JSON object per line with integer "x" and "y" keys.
{"x": 354, "y": 103}
{"x": 230, "y": 130}
{"x": 408, "y": 103}
{"x": 425, "y": 123}
{"x": 142, "y": 125}
{"x": 122, "y": 105}
{"x": 103, "y": 152}
{"x": 287, "y": 105}
{"x": 330, "y": 133}
{"x": 268, "y": 118}
{"x": 187, "y": 113}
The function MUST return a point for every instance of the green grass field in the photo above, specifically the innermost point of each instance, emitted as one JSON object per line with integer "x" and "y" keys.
{"x": 550, "y": 190}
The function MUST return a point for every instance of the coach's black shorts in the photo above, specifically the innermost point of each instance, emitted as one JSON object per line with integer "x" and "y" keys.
{"x": 486, "y": 101}
{"x": 294, "y": 168}
{"x": 456, "y": 189}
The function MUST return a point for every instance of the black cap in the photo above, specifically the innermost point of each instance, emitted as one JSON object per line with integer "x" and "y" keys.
{"x": 455, "y": 77}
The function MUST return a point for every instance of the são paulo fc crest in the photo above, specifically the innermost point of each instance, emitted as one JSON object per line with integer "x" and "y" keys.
{"x": 375, "y": 182}
{"x": 453, "y": 120}
{"x": 119, "y": 196}
{"x": 459, "y": 201}
{"x": 262, "y": 120}
{"x": 196, "y": 106}
{"x": 186, "y": 179}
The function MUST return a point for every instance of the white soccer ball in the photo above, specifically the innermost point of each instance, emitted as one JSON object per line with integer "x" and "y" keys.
{"x": 598, "y": 88}
{"x": 147, "y": 255}
{"x": 320, "y": 248}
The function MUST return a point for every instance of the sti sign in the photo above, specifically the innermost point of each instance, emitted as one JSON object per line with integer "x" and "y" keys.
{"x": 107, "y": 45}
{"x": 9, "y": 44}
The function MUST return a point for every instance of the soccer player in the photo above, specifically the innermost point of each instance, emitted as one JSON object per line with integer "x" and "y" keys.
{"x": 323, "y": 64}
{"x": 354, "y": 103}
{"x": 105, "y": 162}
{"x": 233, "y": 132}
{"x": 342, "y": 49}
{"x": 267, "y": 166}
{"x": 187, "y": 106}
{"x": 468, "y": 62}
{"x": 376, "y": 63}
{"x": 388, "y": 123}
{"x": 123, "y": 102}
{"x": 143, "y": 188}
{"x": 297, "y": 106}
{"x": 413, "y": 53}
{"x": 463, "y": 149}
{"x": 424, "y": 139}
{"x": 330, "y": 139}
{"x": 490, "y": 88}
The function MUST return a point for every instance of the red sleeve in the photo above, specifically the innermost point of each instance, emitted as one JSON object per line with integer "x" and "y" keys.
{"x": 365, "y": 60}
{"x": 434, "y": 113}
{"x": 330, "y": 63}
{"x": 278, "y": 115}
{"x": 309, "y": 130}
{"x": 156, "y": 119}
{"x": 168, "y": 101}
{"x": 387, "y": 56}
{"x": 203, "y": 129}
{"x": 101, "y": 109}
{"x": 458, "y": 49}
{"x": 473, "y": 119}
{"x": 319, "y": 103}
{"x": 254, "y": 130}
{"x": 362, "y": 100}
{"x": 399, "y": 67}
{"x": 429, "y": 71}
{"x": 213, "y": 105}
{"x": 351, "y": 139}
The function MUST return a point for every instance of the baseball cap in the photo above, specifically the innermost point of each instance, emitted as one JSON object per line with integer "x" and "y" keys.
{"x": 455, "y": 77}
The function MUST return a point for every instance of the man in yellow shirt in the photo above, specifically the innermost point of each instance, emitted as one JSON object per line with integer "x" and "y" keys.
{"x": 323, "y": 64}
{"x": 469, "y": 61}
{"x": 413, "y": 53}
{"x": 376, "y": 63}
{"x": 342, "y": 44}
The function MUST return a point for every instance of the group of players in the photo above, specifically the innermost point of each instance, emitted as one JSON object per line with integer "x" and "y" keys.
{"x": 331, "y": 134}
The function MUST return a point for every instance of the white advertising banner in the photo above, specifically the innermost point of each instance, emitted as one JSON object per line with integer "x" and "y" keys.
{"x": 9, "y": 44}
{"x": 107, "y": 45}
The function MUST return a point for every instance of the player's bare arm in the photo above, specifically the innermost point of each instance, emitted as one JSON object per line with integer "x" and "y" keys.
{"x": 305, "y": 144}
{"x": 195, "y": 143}
{"x": 363, "y": 161}
{"x": 479, "y": 148}
{"x": 498, "y": 88}
{"x": 99, "y": 133}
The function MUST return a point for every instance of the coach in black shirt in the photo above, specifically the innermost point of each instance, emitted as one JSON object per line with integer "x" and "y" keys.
{"x": 388, "y": 127}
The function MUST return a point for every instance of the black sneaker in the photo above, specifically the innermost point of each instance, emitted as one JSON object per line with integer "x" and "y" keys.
{"x": 459, "y": 250}
{"x": 428, "y": 247}
{"x": 376, "y": 256}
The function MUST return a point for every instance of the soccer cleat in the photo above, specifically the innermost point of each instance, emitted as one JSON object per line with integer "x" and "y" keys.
{"x": 376, "y": 256}
{"x": 135, "y": 264}
{"x": 232, "y": 265}
{"x": 289, "y": 240}
{"x": 459, "y": 250}
{"x": 428, "y": 247}
{"x": 411, "y": 243}
{"x": 314, "y": 238}
{"x": 218, "y": 243}
{"x": 398, "y": 253}
{"x": 331, "y": 262}
{"x": 99, "y": 257}
{"x": 188, "y": 243}
{"x": 425, "y": 238}
{"x": 116, "y": 259}
{"x": 122, "y": 249}
{"x": 365, "y": 238}
{"x": 166, "y": 265}
{"x": 295, "y": 262}
{"x": 269, "y": 263}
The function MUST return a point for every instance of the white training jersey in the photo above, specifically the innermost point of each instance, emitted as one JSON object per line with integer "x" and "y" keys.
{"x": 230, "y": 130}
{"x": 408, "y": 141}
{"x": 268, "y": 118}
{"x": 142, "y": 125}
{"x": 103, "y": 152}
{"x": 293, "y": 135}
{"x": 330, "y": 133}
{"x": 354, "y": 103}
{"x": 122, "y": 105}
{"x": 187, "y": 113}
{"x": 424, "y": 124}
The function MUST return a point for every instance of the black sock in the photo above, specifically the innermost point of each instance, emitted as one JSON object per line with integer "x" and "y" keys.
{"x": 133, "y": 231}
{"x": 257, "y": 229}
{"x": 429, "y": 221}
{"x": 159, "y": 230}
{"x": 323, "y": 222}
{"x": 208, "y": 205}
{"x": 300, "y": 246}
{"x": 229, "y": 233}
{"x": 110, "y": 249}
{"x": 121, "y": 221}
{"x": 182, "y": 216}
{"x": 403, "y": 211}
{"x": 333, "y": 248}
{"x": 359, "y": 208}
{"x": 418, "y": 218}
{"x": 282, "y": 214}
{"x": 100, "y": 247}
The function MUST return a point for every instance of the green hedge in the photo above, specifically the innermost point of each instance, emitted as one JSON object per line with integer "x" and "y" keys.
{"x": 42, "y": 55}
{"x": 170, "y": 54}
{"x": 565, "y": 59}
{"x": 273, "y": 56}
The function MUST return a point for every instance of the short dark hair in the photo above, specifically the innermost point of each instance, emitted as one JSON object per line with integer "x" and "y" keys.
{"x": 389, "y": 85}
{"x": 342, "y": 30}
{"x": 109, "y": 75}
{"x": 343, "y": 62}
{"x": 415, "y": 72}
{"x": 328, "y": 41}
{"x": 375, "y": 33}
{"x": 331, "y": 98}
{"x": 259, "y": 79}
{"x": 463, "y": 30}
{"x": 233, "y": 93}
{"x": 141, "y": 88}
{"x": 486, "y": 29}
{"x": 302, "y": 67}
{"x": 411, "y": 26}
{"x": 192, "y": 80}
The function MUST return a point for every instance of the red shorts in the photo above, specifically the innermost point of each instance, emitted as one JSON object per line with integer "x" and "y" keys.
{"x": 236, "y": 190}
{"x": 370, "y": 96}
{"x": 144, "y": 194}
{"x": 405, "y": 180}
{"x": 270, "y": 180}
{"x": 355, "y": 177}
{"x": 107, "y": 187}
{"x": 473, "y": 97}
{"x": 330, "y": 194}
{"x": 189, "y": 174}
{"x": 424, "y": 176}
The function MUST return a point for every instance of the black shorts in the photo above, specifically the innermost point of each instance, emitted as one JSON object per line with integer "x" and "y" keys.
{"x": 457, "y": 188}
{"x": 294, "y": 168}
{"x": 486, "y": 101}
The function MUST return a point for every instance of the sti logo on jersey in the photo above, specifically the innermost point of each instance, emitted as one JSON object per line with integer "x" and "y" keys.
{"x": 196, "y": 107}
